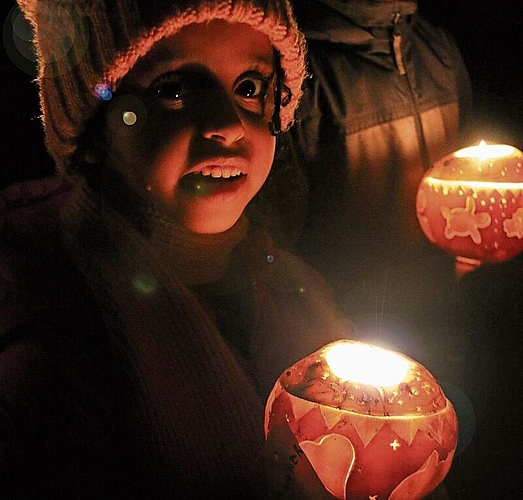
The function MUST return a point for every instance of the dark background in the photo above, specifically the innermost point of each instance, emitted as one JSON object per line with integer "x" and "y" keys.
{"x": 490, "y": 36}
{"x": 489, "y": 33}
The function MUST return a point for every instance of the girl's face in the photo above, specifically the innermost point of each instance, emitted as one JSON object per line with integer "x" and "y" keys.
{"x": 189, "y": 125}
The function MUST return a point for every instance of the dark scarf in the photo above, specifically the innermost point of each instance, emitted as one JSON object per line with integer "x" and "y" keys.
{"x": 199, "y": 419}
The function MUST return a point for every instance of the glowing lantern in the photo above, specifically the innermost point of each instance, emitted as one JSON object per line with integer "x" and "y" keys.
{"x": 470, "y": 203}
{"x": 354, "y": 421}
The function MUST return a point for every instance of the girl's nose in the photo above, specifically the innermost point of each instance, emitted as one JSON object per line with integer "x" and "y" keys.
{"x": 221, "y": 121}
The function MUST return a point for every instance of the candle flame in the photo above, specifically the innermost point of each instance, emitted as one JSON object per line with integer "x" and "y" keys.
{"x": 484, "y": 151}
{"x": 366, "y": 364}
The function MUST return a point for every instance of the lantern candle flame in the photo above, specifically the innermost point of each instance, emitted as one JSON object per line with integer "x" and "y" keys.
{"x": 366, "y": 364}
{"x": 484, "y": 151}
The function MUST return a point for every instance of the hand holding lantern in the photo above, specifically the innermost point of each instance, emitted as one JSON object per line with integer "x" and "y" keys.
{"x": 470, "y": 203}
{"x": 356, "y": 421}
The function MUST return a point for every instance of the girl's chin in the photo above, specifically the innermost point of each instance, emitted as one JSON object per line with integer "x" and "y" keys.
{"x": 213, "y": 219}
{"x": 207, "y": 227}
{"x": 211, "y": 213}
{"x": 211, "y": 207}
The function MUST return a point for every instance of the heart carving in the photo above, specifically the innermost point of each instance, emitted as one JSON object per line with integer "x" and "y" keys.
{"x": 332, "y": 458}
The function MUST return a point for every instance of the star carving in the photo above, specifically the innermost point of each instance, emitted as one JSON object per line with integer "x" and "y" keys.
{"x": 465, "y": 221}
{"x": 395, "y": 445}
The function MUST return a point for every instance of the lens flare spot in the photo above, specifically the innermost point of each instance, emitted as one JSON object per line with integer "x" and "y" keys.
{"x": 144, "y": 284}
{"x": 21, "y": 27}
{"x": 126, "y": 114}
{"x": 129, "y": 118}
{"x": 103, "y": 91}
{"x": 18, "y": 41}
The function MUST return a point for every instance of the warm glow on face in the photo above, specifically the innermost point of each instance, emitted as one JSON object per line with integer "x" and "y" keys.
{"x": 485, "y": 151}
{"x": 366, "y": 364}
{"x": 206, "y": 151}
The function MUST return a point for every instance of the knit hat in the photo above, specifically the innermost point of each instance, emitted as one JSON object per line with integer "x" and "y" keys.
{"x": 85, "y": 47}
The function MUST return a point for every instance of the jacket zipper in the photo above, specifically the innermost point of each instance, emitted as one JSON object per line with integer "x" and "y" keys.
{"x": 396, "y": 43}
{"x": 398, "y": 58}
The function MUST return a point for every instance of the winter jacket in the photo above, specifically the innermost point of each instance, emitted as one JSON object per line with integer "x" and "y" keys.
{"x": 388, "y": 95}
{"x": 117, "y": 380}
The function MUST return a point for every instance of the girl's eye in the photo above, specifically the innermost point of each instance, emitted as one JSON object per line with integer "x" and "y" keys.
{"x": 179, "y": 89}
{"x": 171, "y": 87}
{"x": 252, "y": 88}
{"x": 171, "y": 90}
{"x": 252, "y": 91}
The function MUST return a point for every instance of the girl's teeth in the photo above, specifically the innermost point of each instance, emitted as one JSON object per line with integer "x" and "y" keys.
{"x": 217, "y": 172}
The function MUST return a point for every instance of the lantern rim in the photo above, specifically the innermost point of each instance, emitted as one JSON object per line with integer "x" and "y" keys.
{"x": 405, "y": 417}
{"x": 311, "y": 379}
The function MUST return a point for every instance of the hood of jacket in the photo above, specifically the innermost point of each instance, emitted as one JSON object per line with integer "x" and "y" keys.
{"x": 351, "y": 22}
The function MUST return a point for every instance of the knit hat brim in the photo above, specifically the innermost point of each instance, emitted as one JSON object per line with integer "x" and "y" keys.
{"x": 83, "y": 46}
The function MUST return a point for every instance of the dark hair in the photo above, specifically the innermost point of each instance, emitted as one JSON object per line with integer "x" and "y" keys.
{"x": 282, "y": 95}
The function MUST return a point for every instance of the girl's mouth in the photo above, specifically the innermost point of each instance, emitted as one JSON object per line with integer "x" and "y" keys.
{"x": 212, "y": 180}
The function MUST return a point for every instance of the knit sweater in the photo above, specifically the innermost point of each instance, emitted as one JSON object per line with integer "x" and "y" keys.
{"x": 117, "y": 378}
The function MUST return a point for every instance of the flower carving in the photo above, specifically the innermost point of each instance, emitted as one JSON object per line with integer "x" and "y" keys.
{"x": 514, "y": 225}
{"x": 465, "y": 221}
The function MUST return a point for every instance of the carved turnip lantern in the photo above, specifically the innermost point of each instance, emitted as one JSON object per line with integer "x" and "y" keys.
{"x": 470, "y": 203}
{"x": 355, "y": 421}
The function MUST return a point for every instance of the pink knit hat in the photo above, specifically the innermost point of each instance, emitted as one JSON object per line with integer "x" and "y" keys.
{"x": 85, "y": 47}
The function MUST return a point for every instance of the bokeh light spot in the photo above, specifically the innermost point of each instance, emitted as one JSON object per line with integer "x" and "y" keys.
{"x": 144, "y": 284}
{"x": 121, "y": 120}
{"x": 21, "y": 27}
{"x": 129, "y": 118}
{"x": 18, "y": 41}
{"x": 103, "y": 91}
{"x": 63, "y": 38}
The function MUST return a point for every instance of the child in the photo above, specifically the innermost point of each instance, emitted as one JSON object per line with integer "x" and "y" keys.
{"x": 143, "y": 319}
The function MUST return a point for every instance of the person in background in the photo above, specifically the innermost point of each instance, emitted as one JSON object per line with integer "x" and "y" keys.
{"x": 388, "y": 95}
{"x": 143, "y": 318}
